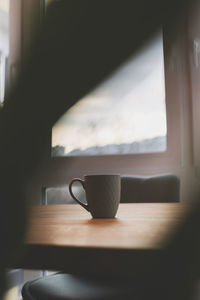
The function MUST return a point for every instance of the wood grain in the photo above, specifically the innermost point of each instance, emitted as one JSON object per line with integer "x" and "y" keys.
{"x": 65, "y": 237}
{"x": 137, "y": 226}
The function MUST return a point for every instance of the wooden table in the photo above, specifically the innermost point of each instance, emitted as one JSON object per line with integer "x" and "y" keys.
{"x": 65, "y": 237}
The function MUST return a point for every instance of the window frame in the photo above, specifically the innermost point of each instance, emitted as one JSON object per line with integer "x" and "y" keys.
{"x": 141, "y": 161}
{"x": 61, "y": 169}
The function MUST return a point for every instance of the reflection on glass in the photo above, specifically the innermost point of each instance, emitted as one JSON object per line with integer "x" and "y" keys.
{"x": 4, "y": 46}
{"x": 125, "y": 114}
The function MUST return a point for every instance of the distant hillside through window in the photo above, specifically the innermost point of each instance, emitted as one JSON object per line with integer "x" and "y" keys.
{"x": 125, "y": 114}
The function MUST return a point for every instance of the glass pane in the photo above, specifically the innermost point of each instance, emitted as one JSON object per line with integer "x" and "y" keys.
{"x": 4, "y": 46}
{"x": 61, "y": 195}
{"x": 126, "y": 114}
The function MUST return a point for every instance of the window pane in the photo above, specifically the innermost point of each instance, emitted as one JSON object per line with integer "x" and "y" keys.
{"x": 4, "y": 46}
{"x": 126, "y": 114}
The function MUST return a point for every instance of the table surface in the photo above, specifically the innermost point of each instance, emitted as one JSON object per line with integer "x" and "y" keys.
{"x": 66, "y": 237}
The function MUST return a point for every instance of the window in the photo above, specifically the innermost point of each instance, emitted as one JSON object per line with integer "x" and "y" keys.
{"x": 126, "y": 114}
{"x": 131, "y": 124}
{"x": 4, "y": 47}
{"x": 156, "y": 151}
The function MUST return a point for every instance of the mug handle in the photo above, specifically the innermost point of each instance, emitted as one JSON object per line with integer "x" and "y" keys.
{"x": 71, "y": 193}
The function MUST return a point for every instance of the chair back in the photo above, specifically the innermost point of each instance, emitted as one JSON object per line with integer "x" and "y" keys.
{"x": 143, "y": 189}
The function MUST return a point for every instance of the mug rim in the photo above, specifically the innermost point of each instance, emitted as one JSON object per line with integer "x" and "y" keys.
{"x": 101, "y": 175}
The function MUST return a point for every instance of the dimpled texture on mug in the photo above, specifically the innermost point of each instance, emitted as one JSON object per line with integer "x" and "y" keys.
{"x": 104, "y": 197}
